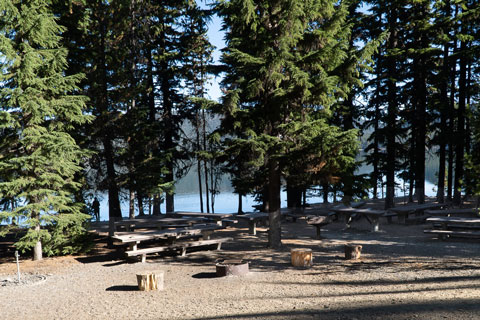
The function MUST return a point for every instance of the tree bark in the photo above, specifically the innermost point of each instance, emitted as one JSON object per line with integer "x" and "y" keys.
{"x": 392, "y": 113}
{"x": 460, "y": 136}
{"x": 275, "y": 230}
{"x": 37, "y": 250}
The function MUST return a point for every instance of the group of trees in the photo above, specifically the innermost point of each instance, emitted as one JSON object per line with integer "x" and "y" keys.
{"x": 111, "y": 96}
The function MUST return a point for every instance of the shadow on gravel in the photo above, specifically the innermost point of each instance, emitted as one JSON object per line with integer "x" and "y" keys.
{"x": 205, "y": 275}
{"x": 458, "y": 309}
{"x": 122, "y": 288}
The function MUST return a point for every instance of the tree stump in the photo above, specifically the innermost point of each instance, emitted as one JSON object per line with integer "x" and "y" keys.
{"x": 149, "y": 281}
{"x": 352, "y": 251}
{"x": 302, "y": 258}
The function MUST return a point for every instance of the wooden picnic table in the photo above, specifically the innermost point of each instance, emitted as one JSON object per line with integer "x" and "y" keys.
{"x": 133, "y": 239}
{"x": 372, "y": 216}
{"x": 472, "y": 212}
{"x": 403, "y": 211}
{"x": 445, "y": 227}
{"x": 253, "y": 219}
{"x": 159, "y": 222}
{"x": 218, "y": 217}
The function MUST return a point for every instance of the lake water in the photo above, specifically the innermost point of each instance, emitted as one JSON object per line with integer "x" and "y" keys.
{"x": 226, "y": 202}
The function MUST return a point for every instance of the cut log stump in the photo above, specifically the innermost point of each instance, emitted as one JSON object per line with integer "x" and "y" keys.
{"x": 302, "y": 258}
{"x": 352, "y": 251}
{"x": 150, "y": 281}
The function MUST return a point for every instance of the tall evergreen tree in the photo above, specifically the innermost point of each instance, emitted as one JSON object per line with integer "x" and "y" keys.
{"x": 283, "y": 62}
{"x": 38, "y": 109}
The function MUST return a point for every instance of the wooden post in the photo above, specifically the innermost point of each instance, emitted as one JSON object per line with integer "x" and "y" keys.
{"x": 352, "y": 251}
{"x": 302, "y": 258}
{"x": 150, "y": 280}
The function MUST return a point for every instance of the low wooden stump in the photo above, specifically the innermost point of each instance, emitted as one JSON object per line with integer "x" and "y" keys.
{"x": 150, "y": 281}
{"x": 302, "y": 258}
{"x": 352, "y": 251}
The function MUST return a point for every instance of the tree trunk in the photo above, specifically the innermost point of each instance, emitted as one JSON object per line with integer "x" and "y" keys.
{"x": 156, "y": 205}
{"x": 460, "y": 136}
{"x": 37, "y": 250}
{"x": 275, "y": 230}
{"x": 131, "y": 205}
{"x": 392, "y": 113}
{"x": 141, "y": 209}
{"x": 294, "y": 196}
{"x": 240, "y": 204}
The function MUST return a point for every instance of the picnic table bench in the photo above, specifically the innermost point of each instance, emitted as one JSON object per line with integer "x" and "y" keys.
{"x": 402, "y": 212}
{"x": 133, "y": 239}
{"x": 446, "y": 227}
{"x": 372, "y": 216}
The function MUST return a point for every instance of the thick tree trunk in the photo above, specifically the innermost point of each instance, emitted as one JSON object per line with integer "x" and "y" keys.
{"x": 275, "y": 230}
{"x": 37, "y": 250}
{"x": 294, "y": 196}
{"x": 240, "y": 204}
{"x": 420, "y": 123}
{"x": 460, "y": 136}
{"x": 131, "y": 205}
{"x": 141, "y": 209}
{"x": 443, "y": 121}
{"x": 156, "y": 205}
{"x": 392, "y": 113}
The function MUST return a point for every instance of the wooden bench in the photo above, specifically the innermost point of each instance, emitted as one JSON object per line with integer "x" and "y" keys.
{"x": 445, "y": 234}
{"x": 179, "y": 245}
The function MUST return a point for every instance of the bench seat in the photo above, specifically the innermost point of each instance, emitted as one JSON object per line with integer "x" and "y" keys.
{"x": 179, "y": 245}
{"x": 453, "y": 233}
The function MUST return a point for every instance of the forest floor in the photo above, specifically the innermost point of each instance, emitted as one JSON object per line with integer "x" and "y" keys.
{"x": 402, "y": 274}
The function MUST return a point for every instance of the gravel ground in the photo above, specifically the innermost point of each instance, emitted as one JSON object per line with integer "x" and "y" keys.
{"x": 403, "y": 274}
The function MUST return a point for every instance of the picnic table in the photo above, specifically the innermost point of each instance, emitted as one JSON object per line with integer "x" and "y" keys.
{"x": 159, "y": 222}
{"x": 472, "y": 212}
{"x": 446, "y": 227}
{"x": 218, "y": 217}
{"x": 197, "y": 235}
{"x": 372, "y": 216}
{"x": 253, "y": 219}
{"x": 402, "y": 212}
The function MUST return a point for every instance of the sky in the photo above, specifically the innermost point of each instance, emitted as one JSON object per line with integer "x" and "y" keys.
{"x": 216, "y": 38}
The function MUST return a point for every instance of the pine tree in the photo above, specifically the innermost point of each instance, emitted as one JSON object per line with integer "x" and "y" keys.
{"x": 38, "y": 109}
{"x": 283, "y": 64}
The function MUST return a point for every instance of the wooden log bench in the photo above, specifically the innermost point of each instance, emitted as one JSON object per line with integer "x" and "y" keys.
{"x": 176, "y": 246}
{"x": 318, "y": 222}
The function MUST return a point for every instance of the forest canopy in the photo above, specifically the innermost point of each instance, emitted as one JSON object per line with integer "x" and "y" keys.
{"x": 95, "y": 97}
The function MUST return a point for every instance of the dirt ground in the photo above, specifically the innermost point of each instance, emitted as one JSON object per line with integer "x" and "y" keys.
{"x": 402, "y": 274}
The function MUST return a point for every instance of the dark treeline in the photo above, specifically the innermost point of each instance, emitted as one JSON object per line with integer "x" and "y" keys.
{"x": 116, "y": 83}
